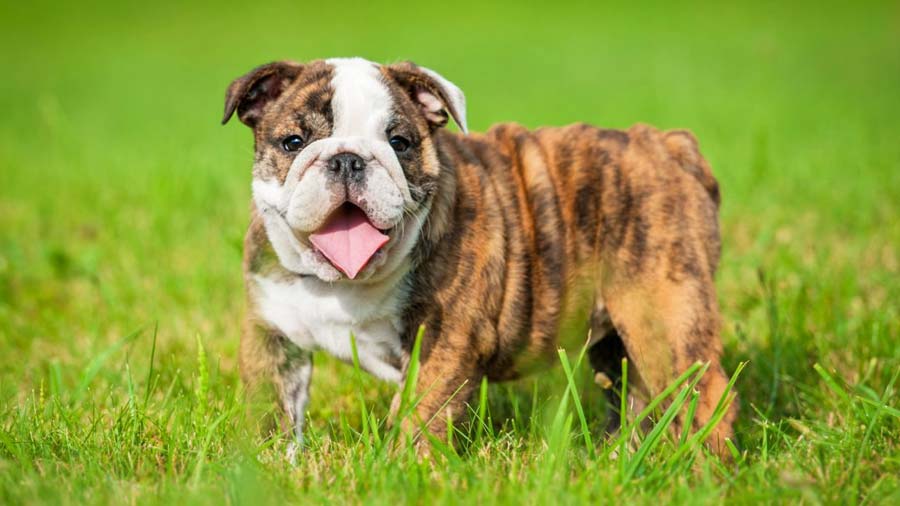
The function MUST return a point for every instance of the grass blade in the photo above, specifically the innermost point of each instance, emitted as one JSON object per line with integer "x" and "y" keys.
{"x": 655, "y": 435}
{"x": 149, "y": 386}
{"x": 361, "y": 398}
{"x": 573, "y": 391}
{"x": 93, "y": 368}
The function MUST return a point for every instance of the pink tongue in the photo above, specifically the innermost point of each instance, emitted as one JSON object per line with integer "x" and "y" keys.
{"x": 348, "y": 239}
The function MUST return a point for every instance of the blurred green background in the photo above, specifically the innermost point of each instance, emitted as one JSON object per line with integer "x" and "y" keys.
{"x": 123, "y": 201}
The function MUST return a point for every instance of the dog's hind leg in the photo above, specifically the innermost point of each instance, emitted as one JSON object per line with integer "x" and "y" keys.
{"x": 605, "y": 354}
{"x": 665, "y": 326}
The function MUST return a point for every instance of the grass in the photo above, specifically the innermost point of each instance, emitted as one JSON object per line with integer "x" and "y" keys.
{"x": 123, "y": 204}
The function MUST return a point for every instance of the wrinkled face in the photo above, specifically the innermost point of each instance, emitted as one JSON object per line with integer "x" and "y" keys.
{"x": 345, "y": 165}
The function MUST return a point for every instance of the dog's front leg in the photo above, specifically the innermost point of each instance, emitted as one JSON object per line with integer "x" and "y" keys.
{"x": 294, "y": 375}
{"x": 445, "y": 382}
{"x": 271, "y": 365}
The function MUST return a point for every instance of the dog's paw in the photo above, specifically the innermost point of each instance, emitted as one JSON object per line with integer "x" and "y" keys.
{"x": 294, "y": 449}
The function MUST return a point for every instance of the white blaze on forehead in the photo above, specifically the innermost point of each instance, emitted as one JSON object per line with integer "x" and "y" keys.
{"x": 362, "y": 102}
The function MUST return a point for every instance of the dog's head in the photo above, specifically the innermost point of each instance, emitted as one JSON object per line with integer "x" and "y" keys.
{"x": 346, "y": 166}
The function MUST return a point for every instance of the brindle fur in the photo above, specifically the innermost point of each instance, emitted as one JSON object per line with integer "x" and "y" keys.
{"x": 523, "y": 225}
{"x": 535, "y": 212}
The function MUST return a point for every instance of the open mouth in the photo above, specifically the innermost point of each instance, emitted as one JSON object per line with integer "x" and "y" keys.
{"x": 348, "y": 239}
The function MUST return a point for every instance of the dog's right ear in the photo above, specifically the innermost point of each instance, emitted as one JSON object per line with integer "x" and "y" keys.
{"x": 250, "y": 93}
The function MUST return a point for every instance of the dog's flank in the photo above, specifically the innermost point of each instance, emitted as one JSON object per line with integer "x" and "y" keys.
{"x": 496, "y": 240}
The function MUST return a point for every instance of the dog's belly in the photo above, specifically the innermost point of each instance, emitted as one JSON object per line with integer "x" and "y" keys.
{"x": 321, "y": 316}
{"x": 579, "y": 326}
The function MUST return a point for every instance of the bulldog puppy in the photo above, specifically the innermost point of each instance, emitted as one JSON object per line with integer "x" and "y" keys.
{"x": 370, "y": 218}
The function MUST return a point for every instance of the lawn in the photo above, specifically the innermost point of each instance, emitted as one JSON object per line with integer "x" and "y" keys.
{"x": 123, "y": 204}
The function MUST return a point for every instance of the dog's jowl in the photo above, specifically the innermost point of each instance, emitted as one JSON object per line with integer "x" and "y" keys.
{"x": 368, "y": 217}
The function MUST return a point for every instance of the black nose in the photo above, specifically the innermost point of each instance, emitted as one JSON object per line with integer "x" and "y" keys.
{"x": 347, "y": 165}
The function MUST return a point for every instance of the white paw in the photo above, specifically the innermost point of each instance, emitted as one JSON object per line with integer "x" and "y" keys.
{"x": 293, "y": 450}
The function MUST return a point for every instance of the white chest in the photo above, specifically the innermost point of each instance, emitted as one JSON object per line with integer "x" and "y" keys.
{"x": 316, "y": 315}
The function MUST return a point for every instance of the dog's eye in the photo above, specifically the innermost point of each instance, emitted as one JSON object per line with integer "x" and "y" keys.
{"x": 399, "y": 143}
{"x": 292, "y": 143}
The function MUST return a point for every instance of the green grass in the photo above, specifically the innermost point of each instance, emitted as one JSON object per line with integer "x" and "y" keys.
{"x": 123, "y": 204}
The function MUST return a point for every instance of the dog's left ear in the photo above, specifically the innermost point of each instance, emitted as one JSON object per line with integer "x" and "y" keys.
{"x": 435, "y": 95}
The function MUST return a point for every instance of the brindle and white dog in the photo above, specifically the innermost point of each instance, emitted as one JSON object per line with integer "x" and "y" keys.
{"x": 369, "y": 218}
